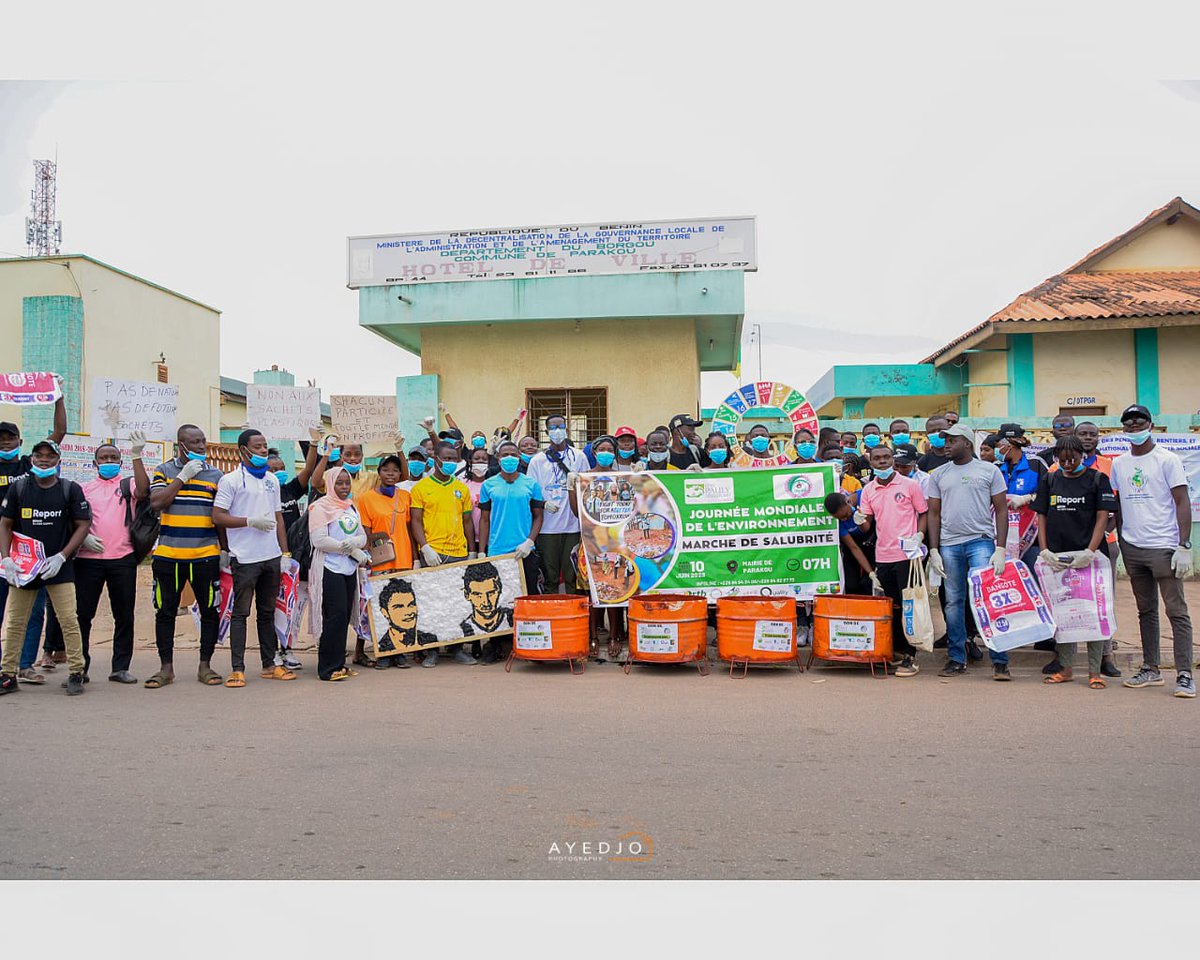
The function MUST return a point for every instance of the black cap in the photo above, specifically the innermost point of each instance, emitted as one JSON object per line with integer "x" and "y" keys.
{"x": 683, "y": 420}
{"x": 1010, "y": 431}
{"x": 390, "y": 458}
{"x": 46, "y": 443}
{"x": 451, "y": 434}
{"x": 419, "y": 452}
{"x": 7, "y": 426}
{"x": 904, "y": 454}
{"x": 1132, "y": 412}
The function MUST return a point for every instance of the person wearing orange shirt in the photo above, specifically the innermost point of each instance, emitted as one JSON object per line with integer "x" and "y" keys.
{"x": 385, "y": 512}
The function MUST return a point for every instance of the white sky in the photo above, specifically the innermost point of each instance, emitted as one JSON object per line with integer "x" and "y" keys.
{"x": 911, "y": 170}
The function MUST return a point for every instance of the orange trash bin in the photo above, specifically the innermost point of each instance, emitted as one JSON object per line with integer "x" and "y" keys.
{"x": 854, "y": 629}
{"x": 551, "y": 627}
{"x": 668, "y": 628}
{"x": 756, "y": 630}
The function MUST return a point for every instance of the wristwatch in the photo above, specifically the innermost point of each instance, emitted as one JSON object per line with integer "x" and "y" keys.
{"x": 1187, "y": 544}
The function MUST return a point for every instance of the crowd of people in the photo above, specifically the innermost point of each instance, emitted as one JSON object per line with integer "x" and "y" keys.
{"x": 453, "y": 497}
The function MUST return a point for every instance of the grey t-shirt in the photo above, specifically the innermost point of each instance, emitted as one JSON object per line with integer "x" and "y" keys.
{"x": 966, "y": 493}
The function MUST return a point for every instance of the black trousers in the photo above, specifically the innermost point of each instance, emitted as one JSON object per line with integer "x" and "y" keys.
{"x": 169, "y": 579}
{"x": 339, "y": 598}
{"x": 53, "y": 642}
{"x": 893, "y": 577}
{"x": 120, "y": 576}
{"x": 257, "y": 582}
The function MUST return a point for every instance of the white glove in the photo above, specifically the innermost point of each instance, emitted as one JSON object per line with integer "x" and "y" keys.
{"x": 1081, "y": 559}
{"x": 442, "y": 407}
{"x": 553, "y": 506}
{"x": 225, "y": 561}
{"x": 137, "y": 443}
{"x": 53, "y": 566}
{"x": 572, "y": 480}
{"x": 1181, "y": 562}
{"x": 524, "y": 549}
{"x": 360, "y": 556}
{"x": 1019, "y": 501}
{"x": 999, "y": 558}
{"x": 8, "y": 568}
{"x": 93, "y": 544}
{"x": 346, "y": 547}
{"x": 874, "y": 578}
{"x": 190, "y": 470}
{"x": 285, "y": 564}
{"x": 266, "y": 522}
{"x": 473, "y": 555}
{"x": 935, "y": 564}
{"x": 919, "y": 537}
{"x": 859, "y": 517}
{"x": 427, "y": 423}
{"x": 327, "y": 445}
{"x": 1050, "y": 559}
{"x": 430, "y": 556}
{"x": 695, "y": 468}
{"x": 314, "y": 434}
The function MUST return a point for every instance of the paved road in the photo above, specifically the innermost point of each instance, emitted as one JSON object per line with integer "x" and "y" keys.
{"x": 465, "y": 772}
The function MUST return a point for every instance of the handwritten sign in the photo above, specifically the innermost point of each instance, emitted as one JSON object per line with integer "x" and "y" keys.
{"x": 121, "y": 406}
{"x": 29, "y": 388}
{"x": 364, "y": 419}
{"x": 79, "y": 457}
{"x": 283, "y": 413}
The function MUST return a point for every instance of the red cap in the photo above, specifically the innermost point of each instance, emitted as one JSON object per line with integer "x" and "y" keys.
{"x": 625, "y": 432}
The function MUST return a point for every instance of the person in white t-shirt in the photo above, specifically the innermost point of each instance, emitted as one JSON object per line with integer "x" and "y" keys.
{"x": 560, "y": 526}
{"x": 1154, "y": 525}
{"x": 248, "y": 507}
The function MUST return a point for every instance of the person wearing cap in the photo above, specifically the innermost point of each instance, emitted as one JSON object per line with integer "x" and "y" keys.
{"x": 1061, "y": 426}
{"x": 54, "y": 512}
{"x": 685, "y": 445}
{"x": 1023, "y": 478}
{"x": 385, "y": 512}
{"x": 968, "y": 525}
{"x": 718, "y": 451}
{"x": 551, "y": 470}
{"x": 905, "y": 457}
{"x": 627, "y": 447}
{"x": 935, "y": 453}
{"x": 1154, "y": 527}
{"x": 415, "y": 466}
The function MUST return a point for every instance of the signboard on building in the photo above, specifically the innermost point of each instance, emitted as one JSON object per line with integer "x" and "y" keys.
{"x": 79, "y": 455}
{"x": 586, "y": 249}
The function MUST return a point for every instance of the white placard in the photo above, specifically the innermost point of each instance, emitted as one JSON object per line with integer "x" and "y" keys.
{"x": 363, "y": 418}
{"x": 533, "y": 634}
{"x": 283, "y": 413}
{"x": 857, "y": 636}
{"x": 121, "y": 406}
{"x": 776, "y": 636}
{"x": 658, "y": 637}
{"x": 78, "y": 461}
{"x": 584, "y": 249}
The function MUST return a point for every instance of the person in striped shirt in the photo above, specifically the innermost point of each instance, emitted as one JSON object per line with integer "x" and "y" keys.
{"x": 189, "y": 550}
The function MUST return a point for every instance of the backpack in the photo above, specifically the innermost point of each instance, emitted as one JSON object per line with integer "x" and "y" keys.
{"x": 141, "y": 519}
{"x": 299, "y": 544}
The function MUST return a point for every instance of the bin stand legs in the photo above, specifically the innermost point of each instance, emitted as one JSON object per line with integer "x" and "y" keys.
{"x": 744, "y": 661}
{"x": 882, "y": 663}
{"x": 509, "y": 662}
{"x": 800, "y": 661}
{"x": 702, "y": 666}
{"x": 582, "y": 666}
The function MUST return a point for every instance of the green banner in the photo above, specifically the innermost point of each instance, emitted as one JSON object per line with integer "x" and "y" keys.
{"x": 716, "y": 533}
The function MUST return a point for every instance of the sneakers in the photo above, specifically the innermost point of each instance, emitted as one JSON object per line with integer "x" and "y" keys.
{"x": 907, "y": 667}
{"x": 75, "y": 684}
{"x": 8, "y": 683}
{"x": 1000, "y": 671}
{"x": 400, "y": 661}
{"x": 1184, "y": 686}
{"x": 29, "y": 675}
{"x": 803, "y": 636}
{"x": 1054, "y": 666}
{"x": 1144, "y": 678}
{"x": 897, "y": 659}
{"x": 974, "y": 651}
{"x": 953, "y": 669}
{"x": 277, "y": 673}
{"x": 122, "y": 676}
{"x": 431, "y": 658}
{"x": 288, "y": 659}
{"x": 462, "y": 656}
{"x": 46, "y": 663}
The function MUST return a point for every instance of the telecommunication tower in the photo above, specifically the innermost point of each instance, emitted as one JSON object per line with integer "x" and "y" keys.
{"x": 43, "y": 233}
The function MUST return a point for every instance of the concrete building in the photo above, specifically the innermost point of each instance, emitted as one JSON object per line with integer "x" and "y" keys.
{"x": 80, "y": 318}
{"x": 600, "y": 348}
{"x": 1122, "y": 325}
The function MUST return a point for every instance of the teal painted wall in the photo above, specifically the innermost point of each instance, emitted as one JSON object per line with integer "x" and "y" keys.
{"x": 858, "y": 383}
{"x": 1020, "y": 375}
{"x": 1145, "y": 358}
{"x": 52, "y": 341}
{"x": 416, "y": 399}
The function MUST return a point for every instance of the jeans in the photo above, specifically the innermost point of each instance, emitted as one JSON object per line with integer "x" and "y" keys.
{"x": 120, "y": 576}
{"x": 257, "y": 582}
{"x": 20, "y": 605}
{"x": 33, "y": 632}
{"x": 339, "y": 600}
{"x": 959, "y": 559}
{"x": 169, "y": 578}
{"x": 1150, "y": 574}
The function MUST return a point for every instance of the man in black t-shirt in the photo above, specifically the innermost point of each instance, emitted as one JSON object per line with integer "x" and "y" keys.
{"x": 54, "y": 512}
{"x": 935, "y": 454}
{"x": 685, "y": 445}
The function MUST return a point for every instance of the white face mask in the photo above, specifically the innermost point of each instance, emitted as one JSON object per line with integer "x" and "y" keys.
{"x": 479, "y": 469}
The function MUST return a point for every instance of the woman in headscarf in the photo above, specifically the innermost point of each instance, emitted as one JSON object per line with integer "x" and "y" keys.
{"x": 336, "y": 577}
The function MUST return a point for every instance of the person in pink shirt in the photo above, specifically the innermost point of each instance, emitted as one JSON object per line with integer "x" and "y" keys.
{"x": 896, "y": 506}
{"x": 106, "y": 558}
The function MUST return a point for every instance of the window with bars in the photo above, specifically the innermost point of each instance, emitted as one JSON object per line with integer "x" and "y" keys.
{"x": 585, "y": 409}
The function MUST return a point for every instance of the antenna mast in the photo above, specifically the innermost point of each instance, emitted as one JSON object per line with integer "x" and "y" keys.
{"x": 43, "y": 233}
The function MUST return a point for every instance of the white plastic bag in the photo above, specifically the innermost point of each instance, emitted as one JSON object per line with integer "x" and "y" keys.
{"x": 915, "y": 609}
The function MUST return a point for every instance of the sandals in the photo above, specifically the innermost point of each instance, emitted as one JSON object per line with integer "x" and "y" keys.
{"x": 1097, "y": 682}
{"x": 46, "y": 663}
{"x": 1060, "y": 676}
{"x": 159, "y": 679}
{"x": 236, "y": 679}
{"x": 208, "y": 676}
{"x": 362, "y": 660}
{"x": 277, "y": 673}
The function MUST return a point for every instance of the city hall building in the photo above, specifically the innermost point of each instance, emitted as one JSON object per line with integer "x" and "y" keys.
{"x": 595, "y": 322}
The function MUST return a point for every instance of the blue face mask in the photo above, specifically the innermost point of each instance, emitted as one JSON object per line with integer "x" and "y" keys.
{"x": 449, "y": 467}
{"x": 658, "y": 456}
{"x": 257, "y": 460}
{"x": 605, "y": 459}
{"x": 479, "y": 442}
{"x": 937, "y": 441}
{"x": 558, "y": 434}
{"x": 806, "y": 450}
{"x": 335, "y": 455}
{"x": 871, "y": 441}
{"x": 901, "y": 438}
{"x": 193, "y": 455}
{"x": 352, "y": 468}
{"x": 849, "y": 450}
{"x": 44, "y": 472}
{"x": 109, "y": 471}
{"x": 416, "y": 468}
{"x": 10, "y": 454}
{"x": 1139, "y": 438}
{"x": 281, "y": 476}
{"x": 509, "y": 464}
{"x": 628, "y": 454}
{"x": 718, "y": 455}
{"x": 526, "y": 457}
{"x": 885, "y": 474}
{"x": 388, "y": 490}
{"x": 760, "y": 444}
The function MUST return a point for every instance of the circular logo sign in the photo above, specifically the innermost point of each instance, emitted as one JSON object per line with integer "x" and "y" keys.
{"x": 769, "y": 395}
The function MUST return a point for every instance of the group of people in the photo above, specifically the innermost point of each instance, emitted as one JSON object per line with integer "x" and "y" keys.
{"x": 454, "y": 497}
